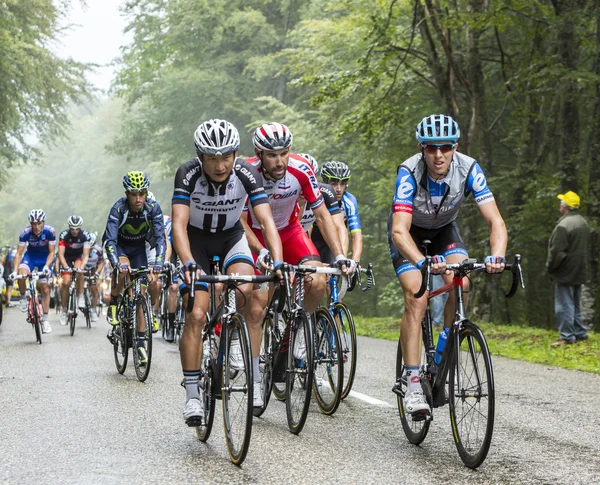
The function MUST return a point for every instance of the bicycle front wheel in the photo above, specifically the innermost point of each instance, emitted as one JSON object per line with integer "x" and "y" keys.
{"x": 329, "y": 371}
{"x": 415, "y": 430}
{"x": 266, "y": 358}
{"x": 207, "y": 394}
{"x": 88, "y": 309}
{"x": 72, "y": 316}
{"x": 36, "y": 318}
{"x": 299, "y": 372}
{"x": 142, "y": 339}
{"x": 237, "y": 390}
{"x": 120, "y": 341}
{"x": 347, "y": 330}
{"x": 472, "y": 399}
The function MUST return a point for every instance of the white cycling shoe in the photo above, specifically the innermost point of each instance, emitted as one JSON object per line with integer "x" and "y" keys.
{"x": 63, "y": 319}
{"x": 236, "y": 359}
{"x": 193, "y": 412}
{"x": 300, "y": 346}
{"x": 46, "y": 328}
{"x": 415, "y": 403}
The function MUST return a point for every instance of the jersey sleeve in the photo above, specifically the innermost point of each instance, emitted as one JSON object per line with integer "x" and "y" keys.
{"x": 158, "y": 227}
{"x": 24, "y": 236}
{"x": 86, "y": 240}
{"x": 62, "y": 238}
{"x": 405, "y": 191}
{"x": 252, "y": 182}
{"x": 351, "y": 207}
{"x": 477, "y": 183}
{"x": 112, "y": 233}
{"x": 330, "y": 199}
{"x": 185, "y": 180}
{"x": 50, "y": 234}
{"x": 308, "y": 183}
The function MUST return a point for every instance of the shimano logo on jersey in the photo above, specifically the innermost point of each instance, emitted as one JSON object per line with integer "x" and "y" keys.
{"x": 189, "y": 175}
{"x": 284, "y": 196}
{"x": 248, "y": 174}
{"x": 221, "y": 202}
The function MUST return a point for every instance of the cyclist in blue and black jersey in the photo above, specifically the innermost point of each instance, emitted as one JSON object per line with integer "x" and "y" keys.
{"x": 40, "y": 241}
{"x": 430, "y": 188}
{"x": 337, "y": 174}
{"x": 132, "y": 222}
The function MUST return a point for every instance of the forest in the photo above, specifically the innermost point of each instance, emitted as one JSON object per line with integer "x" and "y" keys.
{"x": 351, "y": 78}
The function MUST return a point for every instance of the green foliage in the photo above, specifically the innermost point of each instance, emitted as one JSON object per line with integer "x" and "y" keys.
{"x": 36, "y": 86}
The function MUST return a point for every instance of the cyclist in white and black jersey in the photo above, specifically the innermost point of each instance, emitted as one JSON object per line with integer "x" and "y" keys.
{"x": 333, "y": 206}
{"x": 208, "y": 200}
{"x": 96, "y": 264}
{"x": 430, "y": 188}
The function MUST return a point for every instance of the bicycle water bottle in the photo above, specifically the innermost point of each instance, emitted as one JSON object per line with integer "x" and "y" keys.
{"x": 441, "y": 344}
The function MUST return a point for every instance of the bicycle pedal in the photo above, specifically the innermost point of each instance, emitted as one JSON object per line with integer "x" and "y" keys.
{"x": 421, "y": 416}
{"x": 194, "y": 421}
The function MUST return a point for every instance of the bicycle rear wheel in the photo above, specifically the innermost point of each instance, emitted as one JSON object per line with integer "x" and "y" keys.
{"x": 237, "y": 392}
{"x": 415, "y": 431}
{"x": 279, "y": 331}
{"x": 267, "y": 355}
{"x": 472, "y": 398}
{"x": 120, "y": 340}
{"x": 88, "y": 308}
{"x": 299, "y": 372}
{"x": 144, "y": 338}
{"x": 207, "y": 394}
{"x": 329, "y": 370}
{"x": 71, "y": 311}
{"x": 347, "y": 331}
{"x": 163, "y": 317}
{"x": 36, "y": 318}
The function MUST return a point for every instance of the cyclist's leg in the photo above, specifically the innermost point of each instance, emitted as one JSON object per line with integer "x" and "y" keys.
{"x": 23, "y": 269}
{"x": 117, "y": 283}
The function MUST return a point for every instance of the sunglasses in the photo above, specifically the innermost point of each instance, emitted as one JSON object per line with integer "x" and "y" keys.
{"x": 138, "y": 191}
{"x": 336, "y": 180}
{"x": 442, "y": 148}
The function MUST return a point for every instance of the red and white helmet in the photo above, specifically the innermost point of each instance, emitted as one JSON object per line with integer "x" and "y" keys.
{"x": 37, "y": 215}
{"x": 272, "y": 136}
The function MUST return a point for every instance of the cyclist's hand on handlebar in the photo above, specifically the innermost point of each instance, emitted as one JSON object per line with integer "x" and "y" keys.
{"x": 186, "y": 271}
{"x": 277, "y": 268}
{"x": 157, "y": 268}
{"x": 263, "y": 261}
{"x": 124, "y": 268}
{"x": 438, "y": 264}
{"x": 46, "y": 270}
{"x": 348, "y": 266}
{"x": 495, "y": 264}
{"x": 12, "y": 276}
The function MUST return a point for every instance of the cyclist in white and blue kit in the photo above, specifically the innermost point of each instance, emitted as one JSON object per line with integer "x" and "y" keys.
{"x": 430, "y": 188}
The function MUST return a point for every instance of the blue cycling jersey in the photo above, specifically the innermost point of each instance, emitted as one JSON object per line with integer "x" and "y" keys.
{"x": 350, "y": 207}
{"x": 38, "y": 245}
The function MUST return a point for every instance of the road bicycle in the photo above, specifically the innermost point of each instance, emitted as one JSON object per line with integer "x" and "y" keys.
{"x": 72, "y": 300}
{"x": 34, "y": 307}
{"x": 345, "y": 322}
{"x": 134, "y": 330}
{"x": 465, "y": 369}
{"x": 220, "y": 380}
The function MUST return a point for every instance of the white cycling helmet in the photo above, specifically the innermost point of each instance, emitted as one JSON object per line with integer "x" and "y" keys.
{"x": 436, "y": 128}
{"x": 216, "y": 137}
{"x": 37, "y": 215}
{"x": 75, "y": 221}
{"x": 272, "y": 136}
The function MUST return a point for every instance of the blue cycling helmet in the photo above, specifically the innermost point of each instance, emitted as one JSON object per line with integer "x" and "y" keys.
{"x": 435, "y": 128}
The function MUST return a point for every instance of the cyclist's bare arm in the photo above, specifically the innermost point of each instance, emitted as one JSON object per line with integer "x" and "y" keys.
{"x": 357, "y": 244}
{"x": 181, "y": 217}
{"x": 265, "y": 218}
{"x": 324, "y": 223}
{"x": 253, "y": 242}
{"x": 19, "y": 256}
{"x": 338, "y": 220}
{"x": 51, "y": 251}
{"x": 61, "y": 256}
{"x": 498, "y": 233}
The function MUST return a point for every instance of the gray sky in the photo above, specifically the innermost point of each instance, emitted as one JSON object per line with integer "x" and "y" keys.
{"x": 95, "y": 37}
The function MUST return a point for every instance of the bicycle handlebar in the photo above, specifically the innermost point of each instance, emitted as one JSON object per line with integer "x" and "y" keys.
{"x": 469, "y": 265}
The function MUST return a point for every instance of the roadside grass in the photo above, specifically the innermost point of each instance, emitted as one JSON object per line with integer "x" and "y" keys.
{"x": 513, "y": 341}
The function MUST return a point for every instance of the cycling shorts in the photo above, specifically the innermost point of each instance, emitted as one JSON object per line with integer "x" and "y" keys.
{"x": 324, "y": 251}
{"x": 31, "y": 261}
{"x": 445, "y": 240}
{"x": 297, "y": 246}
{"x": 231, "y": 246}
{"x": 136, "y": 255}
{"x": 71, "y": 260}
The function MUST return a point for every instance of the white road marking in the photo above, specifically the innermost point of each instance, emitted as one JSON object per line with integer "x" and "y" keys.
{"x": 369, "y": 399}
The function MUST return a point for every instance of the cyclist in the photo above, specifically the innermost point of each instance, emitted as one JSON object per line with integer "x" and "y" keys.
{"x": 430, "y": 188}
{"x": 73, "y": 255}
{"x": 337, "y": 175}
{"x": 9, "y": 264}
{"x": 132, "y": 221}
{"x": 208, "y": 200}
{"x": 40, "y": 240}
{"x": 333, "y": 206}
{"x": 286, "y": 176}
{"x": 96, "y": 265}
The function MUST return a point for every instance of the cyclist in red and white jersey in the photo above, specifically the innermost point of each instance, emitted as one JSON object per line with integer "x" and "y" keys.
{"x": 285, "y": 177}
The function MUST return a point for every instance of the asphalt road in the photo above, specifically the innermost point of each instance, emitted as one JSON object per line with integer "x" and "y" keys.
{"x": 67, "y": 417}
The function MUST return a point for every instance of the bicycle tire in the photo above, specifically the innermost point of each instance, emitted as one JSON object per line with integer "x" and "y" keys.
{"x": 1, "y": 310}
{"x": 475, "y": 398}
{"x": 72, "y": 316}
{"x": 415, "y": 431}
{"x": 278, "y": 388}
{"x": 299, "y": 374}
{"x": 120, "y": 339}
{"x": 142, "y": 305}
{"x": 237, "y": 412}
{"x": 36, "y": 318}
{"x": 88, "y": 309}
{"x": 347, "y": 330}
{"x": 207, "y": 393}
{"x": 266, "y": 358}
{"x": 163, "y": 317}
{"x": 328, "y": 380}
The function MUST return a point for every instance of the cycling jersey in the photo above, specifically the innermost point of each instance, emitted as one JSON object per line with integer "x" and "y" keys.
{"x": 168, "y": 227}
{"x": 129, "y": 230}
{"x": 217, "y": 207}
{"x": 435, "y": 203}
{"x": 74, "y": 245}
{"x": 283, "y": 194}
{"x": 350, "y": 207}
{"x": 95, "y": 257}
{"x": 331, "y": 202}
{"x": 38, "y": 245}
